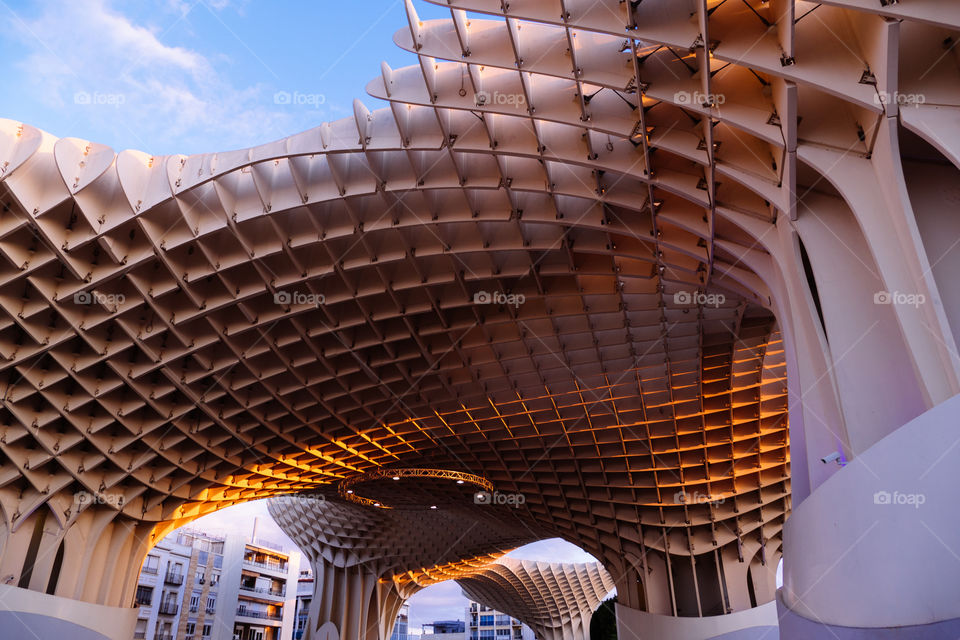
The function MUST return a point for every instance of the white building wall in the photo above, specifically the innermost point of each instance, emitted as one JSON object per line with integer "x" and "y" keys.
{"x": 290, "y": 601}
{"x": 169, "y": 554}
{"x": 229, "y": 590}
{"x": 228, "y": 600}
{"x": 472, "y": 631}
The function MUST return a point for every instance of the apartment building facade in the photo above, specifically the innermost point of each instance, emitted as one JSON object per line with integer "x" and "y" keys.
{"x": 160, "y": 590}
{"x": 484, "y": 623}
{"x": 400, "y": 627}
{"x": 444, "y": 630}
{"x": 258, "y": 591}
{"x": 301, "y": 612}
{"x": 196, "y": 586}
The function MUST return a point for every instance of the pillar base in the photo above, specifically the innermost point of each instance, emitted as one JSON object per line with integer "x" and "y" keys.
{"x": 753, "y": 624}
{"x": 871, "y": 547}
{"x": 794, "y": 626}
{"x": 35, "y": 615}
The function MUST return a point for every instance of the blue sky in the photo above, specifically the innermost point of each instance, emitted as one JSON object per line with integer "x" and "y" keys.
{"x": 179, "y": 76}
{"x": 184, "y": 76}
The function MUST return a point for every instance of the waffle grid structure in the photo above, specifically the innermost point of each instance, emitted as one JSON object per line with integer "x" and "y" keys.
{"x": 556, "y": 600}
{"x": 576, "y": 254}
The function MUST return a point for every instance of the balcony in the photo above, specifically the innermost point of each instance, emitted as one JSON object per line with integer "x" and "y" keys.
{"x": 279, "y": 593}
{"x": 168, "y": 608}
{"x": 261, "y": 615}
{"x": 139, "y": 635}
{"x": 173, "y": 578}
{"x": 272, "y": 566}
{"x": 212, "y": 609}
{"x": 164, "y": 636}
{"x": 150, "y": 571}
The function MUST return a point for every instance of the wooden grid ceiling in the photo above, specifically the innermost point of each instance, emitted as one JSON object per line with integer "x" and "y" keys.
{"x": 183, "y": 333}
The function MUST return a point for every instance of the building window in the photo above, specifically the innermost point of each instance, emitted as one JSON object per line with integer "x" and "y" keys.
{"x": 486, "y": 620}
{"x": 191, "y": 628}
{"x": 145, "y": 596}
{"x": 486, "y": 633}
{"x": 206, "y": 630}
{"x": 201, "y": 574}
{"x": 503, "y": 633}
{"x": 202, "y": 557}
{"x": 211, "y": 604}
{"x": 151, "y": 565}
{"x": 214, "y": 578}
{"x": 194, "y": 601}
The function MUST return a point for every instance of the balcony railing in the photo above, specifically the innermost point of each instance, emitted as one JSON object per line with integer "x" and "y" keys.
{"x": 164, "y": 636}
{"x": 168, "y": 608}
{"x": 173, "y": 578}
{"x": 139, "y": 635}
{"x": 263, "y": 615}
{"x": 149, "y": 571}
{"x": 211, "y": 609}
{"x": 274, "y": 566}
{"x": 282, "y": 591}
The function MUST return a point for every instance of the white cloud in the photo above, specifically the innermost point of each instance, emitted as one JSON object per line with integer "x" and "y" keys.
{"x": 552, "y": 550}
{"x": 137, "y": 88}
{"x": 443, "y": 601}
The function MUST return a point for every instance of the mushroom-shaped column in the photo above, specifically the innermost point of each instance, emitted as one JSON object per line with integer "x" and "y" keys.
{"x": 367, "y": 559}
{"x": 554, "y": 599}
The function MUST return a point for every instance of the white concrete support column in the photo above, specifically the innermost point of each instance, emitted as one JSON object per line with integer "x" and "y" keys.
{"x": 69, "y": 569}
{"x": 352, "y": 602}
{"x": 885, "y": 529}
{"x": 93, "y": 557}
{"x": 27, "y": 614}
{"x": 759, "y": 623}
